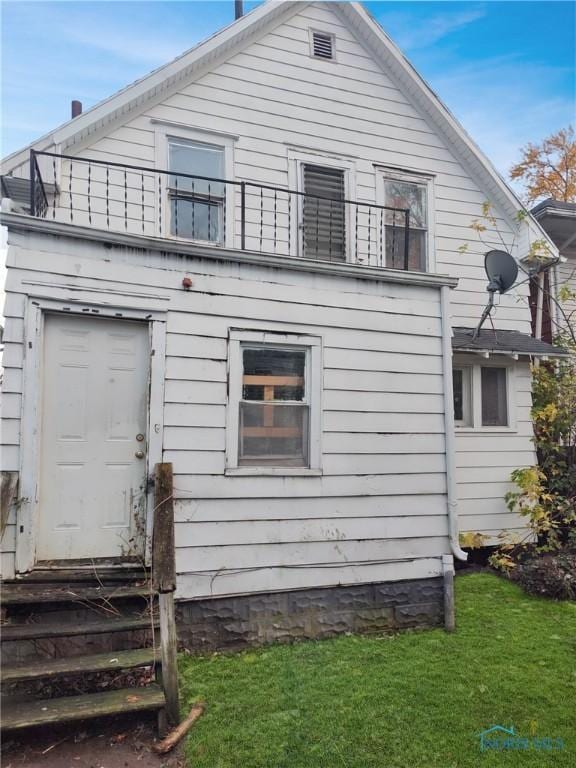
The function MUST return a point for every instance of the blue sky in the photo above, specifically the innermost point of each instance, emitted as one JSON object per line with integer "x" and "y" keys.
{"x": 506, "y": 69}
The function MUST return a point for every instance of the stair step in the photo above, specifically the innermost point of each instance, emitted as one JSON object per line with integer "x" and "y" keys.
{"x": 97, "y": 662}
{"x": 108, "y": 575}
{"x": 21, "y": 594}
{"x": 22, "y": 714}
{"x": 36, "y": 631}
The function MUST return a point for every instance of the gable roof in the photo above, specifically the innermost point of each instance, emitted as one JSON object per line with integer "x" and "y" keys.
{"x": 237, "y": 35}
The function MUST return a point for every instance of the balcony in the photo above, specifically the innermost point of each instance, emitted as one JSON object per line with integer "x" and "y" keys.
{"x": 234, "y": 214}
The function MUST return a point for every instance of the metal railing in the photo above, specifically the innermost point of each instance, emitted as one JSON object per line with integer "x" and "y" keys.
{"x": 236, "y": 214}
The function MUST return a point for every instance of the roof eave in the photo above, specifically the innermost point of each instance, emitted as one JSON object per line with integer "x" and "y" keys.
{"x": 510, "y": 352}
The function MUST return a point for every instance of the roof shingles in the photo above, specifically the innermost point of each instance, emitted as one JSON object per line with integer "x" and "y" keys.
{"x": 504, "y": 342}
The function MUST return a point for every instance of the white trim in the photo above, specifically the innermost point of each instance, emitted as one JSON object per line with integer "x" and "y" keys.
{"x": 174, "y": 125}
{"x": 467, "y": 396}
{"x": 476, "y": 426}
{"x": 426, "y": 180}
{"x": 297, "y": 158}
{"x": 35, "y": 312}
{"x": 163, "y": 132}
{"x": 45, "y": 228}
{"x": 313, "y": 383}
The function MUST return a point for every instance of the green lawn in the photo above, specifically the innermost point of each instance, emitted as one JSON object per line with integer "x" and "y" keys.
{"x": 403, "y": 701}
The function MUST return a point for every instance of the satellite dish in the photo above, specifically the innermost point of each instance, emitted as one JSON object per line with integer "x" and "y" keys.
{"x": 502, "y": 272}
{"x": 501, "y": 269}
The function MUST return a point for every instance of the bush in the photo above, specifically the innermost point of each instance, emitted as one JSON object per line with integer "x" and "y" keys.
{"x": 548, "y": 575}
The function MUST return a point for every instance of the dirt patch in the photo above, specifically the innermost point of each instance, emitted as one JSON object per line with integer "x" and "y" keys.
{"x": 120, "y": 742}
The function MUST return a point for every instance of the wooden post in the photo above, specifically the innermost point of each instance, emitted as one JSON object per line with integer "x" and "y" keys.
{"x": 164, "y": 582}
{"x": 163, "y": 555}
{"x": 448, "y": 575}
{"x": 8, "y": 491}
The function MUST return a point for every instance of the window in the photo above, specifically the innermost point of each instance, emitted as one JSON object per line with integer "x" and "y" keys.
{"x": 411, "y": 195}
{"x": 322, "y": 45}
{"x": 197, "y": 206}
{"x": 482, "y": 396}
{"x": 273, "y": 422}
{"x": 323, "y": 213}
{"x": 494, "y": 397}
{"x": 462, "y": 396}
{"x": 274, "y": 408}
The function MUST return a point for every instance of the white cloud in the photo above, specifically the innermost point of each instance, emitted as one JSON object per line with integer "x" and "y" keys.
{"x": 504, "y": 103}
{"x": 411, "y": 33}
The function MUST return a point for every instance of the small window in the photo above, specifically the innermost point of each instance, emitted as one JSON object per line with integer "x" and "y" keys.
{"x": 197, "y": 205}
{"x": 494, "y": 397}
{"x": 274, "y": 409}
{"x": 323, "y": 213}
{"x": 412, "y": 196}
{"x": 462, "y": 387}
{"x": 322, "y": 45}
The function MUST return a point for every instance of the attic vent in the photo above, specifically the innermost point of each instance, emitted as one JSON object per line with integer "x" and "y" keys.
{"x": 322, "y": 45}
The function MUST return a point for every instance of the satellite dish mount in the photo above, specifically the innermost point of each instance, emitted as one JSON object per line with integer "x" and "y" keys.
{"x": 502, "y": 271}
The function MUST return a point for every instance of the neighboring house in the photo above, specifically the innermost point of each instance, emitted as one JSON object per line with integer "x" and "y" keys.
{"x": 558, "y": 220}
{"x": 211, "y": 268}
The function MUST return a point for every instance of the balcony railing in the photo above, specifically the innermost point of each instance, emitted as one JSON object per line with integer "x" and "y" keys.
{"x": 236, "y": 214}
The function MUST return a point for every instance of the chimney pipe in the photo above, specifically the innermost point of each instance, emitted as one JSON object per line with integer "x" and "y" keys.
{"x": 76, "y": 108}
{"x": 238, "y": 9}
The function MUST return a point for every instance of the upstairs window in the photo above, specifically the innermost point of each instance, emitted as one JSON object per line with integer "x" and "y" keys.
{"x": 411, "y": 195}
{"x": 197, "y": 205}
{"x": 323, "y": 213}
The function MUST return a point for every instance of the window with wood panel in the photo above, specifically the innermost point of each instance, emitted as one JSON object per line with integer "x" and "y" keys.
{"x": 274, "y": 414}
{"x": 273, "y": 423}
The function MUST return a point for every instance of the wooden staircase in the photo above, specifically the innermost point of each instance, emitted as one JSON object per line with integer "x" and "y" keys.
{"x": 121, "y": 618}
{"x": 112, "y": 636}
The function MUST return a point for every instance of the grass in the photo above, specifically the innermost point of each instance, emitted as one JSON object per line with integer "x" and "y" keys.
{"x": 412, "y": 700}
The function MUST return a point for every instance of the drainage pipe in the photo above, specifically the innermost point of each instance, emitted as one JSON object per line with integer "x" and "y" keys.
{"x": 449, "y": 433}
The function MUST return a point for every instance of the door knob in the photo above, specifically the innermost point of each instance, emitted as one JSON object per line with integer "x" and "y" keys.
{"x": 139, "y": 454}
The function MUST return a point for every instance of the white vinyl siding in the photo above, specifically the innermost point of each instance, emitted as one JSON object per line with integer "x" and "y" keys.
{"x": 268, "y": 104}
{"x": 274, "y": 96}
{"x": 486, "y": 457}
{"x": 378, "y": 510}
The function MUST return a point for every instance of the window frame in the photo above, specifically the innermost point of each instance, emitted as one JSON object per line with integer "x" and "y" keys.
{"x": 164, "y": 132}
{"x": 237, "y": 341}
{"x": 297, "y": 159}
{"x": 467, "y": 396}
{"x": 476, "y": 366}
{"x": 410, "y": 177}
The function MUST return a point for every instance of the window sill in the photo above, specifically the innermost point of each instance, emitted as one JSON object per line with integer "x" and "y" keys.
{"x": 272, "y": 471}
{"x": 485, "y": 430}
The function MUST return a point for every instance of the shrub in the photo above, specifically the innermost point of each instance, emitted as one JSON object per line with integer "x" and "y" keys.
{"x": 550, "y": 575}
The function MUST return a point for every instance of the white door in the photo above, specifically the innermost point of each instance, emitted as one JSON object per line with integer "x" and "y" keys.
{"x": 92, "y": 492}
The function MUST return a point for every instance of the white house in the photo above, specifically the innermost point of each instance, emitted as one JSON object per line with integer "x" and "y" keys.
{"x": 211, "y": 268}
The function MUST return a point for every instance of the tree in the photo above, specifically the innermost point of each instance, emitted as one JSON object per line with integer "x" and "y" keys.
{"x": 548, "y": 169}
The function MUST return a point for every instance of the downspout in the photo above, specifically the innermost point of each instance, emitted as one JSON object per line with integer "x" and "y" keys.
{"x": 540, "y": 282}
{"x": 449, "y": 431}
{"x": 539, "y": 304}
